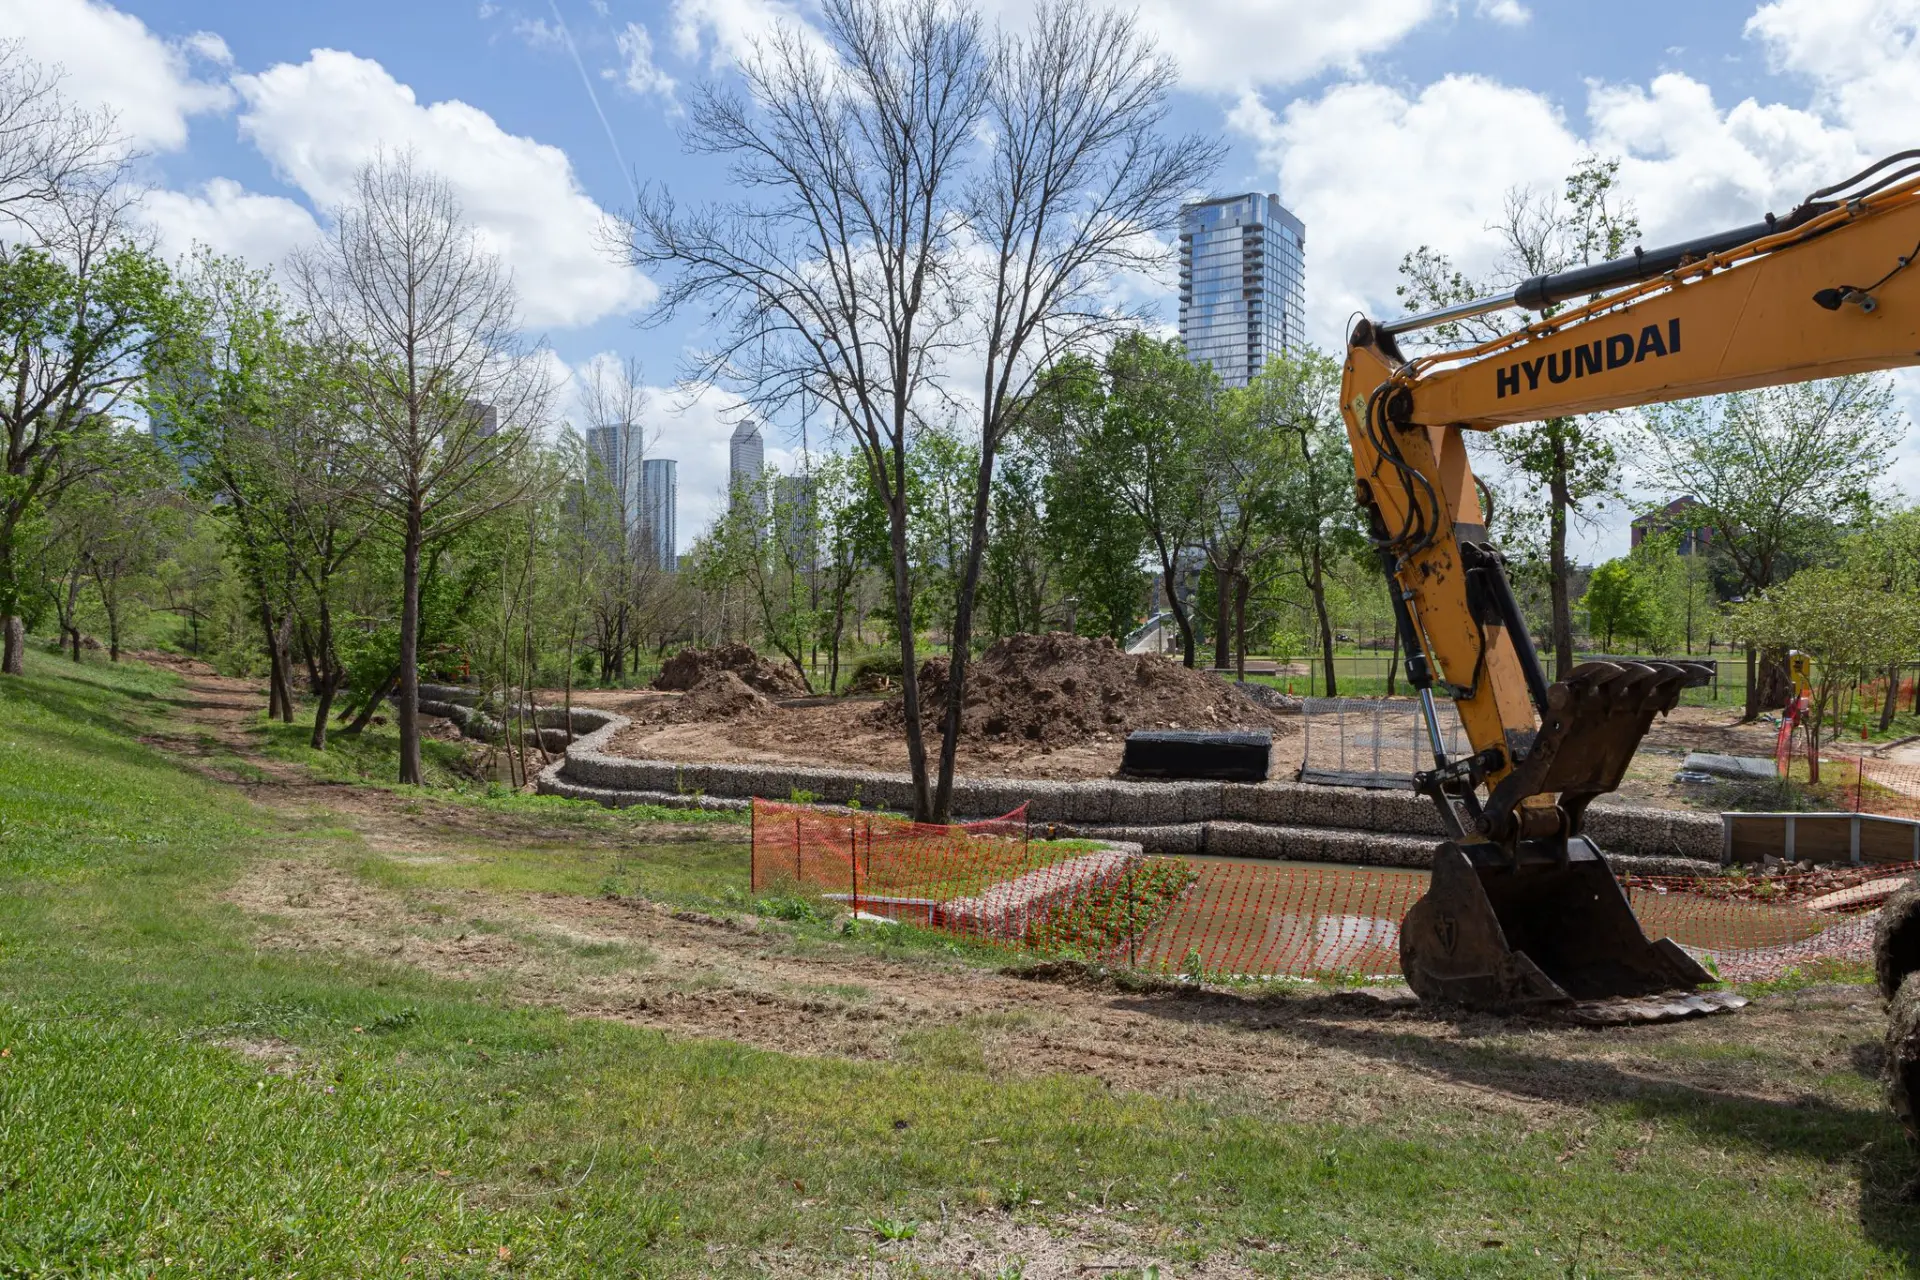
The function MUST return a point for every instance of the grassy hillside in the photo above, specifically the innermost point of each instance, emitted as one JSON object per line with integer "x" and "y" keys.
{"x": 176, "y": 1099}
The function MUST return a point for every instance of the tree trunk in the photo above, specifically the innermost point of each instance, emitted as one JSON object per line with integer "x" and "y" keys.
{"x": 13, "y": 661}
{"x": 1891, "y": 703}
{"x": 371, "y": 707}
{"x": 1558, "y": 569}
{"x": 1169, "y": 582}
{"x": 283, "y": 652}
{"x": 410, "y": 770}
{"x": 1243, "y": 587}
{"x": 1317, "y": 588}
{"x": 1772, "y": 686}
{"x": 1393, "y": 662}
{"x": 275, "y": 680}
{"x": 909, "y": 670}
{"x": 1222, "y": 611}
{"x": 963, "y": 634}
{"x": 1752, "y": 711}
{"x": 326, "y": 681}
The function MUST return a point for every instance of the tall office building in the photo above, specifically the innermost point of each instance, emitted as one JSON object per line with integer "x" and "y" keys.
{"x": 746, "y": 459}
{"x": 616, "y": 452}
{"x": 659, "y": 500}
{"x": 1242, "y": 283}
{"x": 794, "y": 520}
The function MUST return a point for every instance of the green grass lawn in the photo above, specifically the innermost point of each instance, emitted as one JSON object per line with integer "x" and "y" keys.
{"x": 176, "y": 1101}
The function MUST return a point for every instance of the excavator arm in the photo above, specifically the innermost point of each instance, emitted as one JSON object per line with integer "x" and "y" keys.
{"x": 1523, "y": 909}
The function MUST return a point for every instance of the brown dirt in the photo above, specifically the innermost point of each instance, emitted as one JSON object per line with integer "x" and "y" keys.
{"x": 1053, "y": 706}
{"x": 1058, "y": 689}
{"x": 691, "y": 667}
{"x": 720, "y": 695}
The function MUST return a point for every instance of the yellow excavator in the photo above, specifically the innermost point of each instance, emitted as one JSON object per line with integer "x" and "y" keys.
{"x": 1523, "y": 911}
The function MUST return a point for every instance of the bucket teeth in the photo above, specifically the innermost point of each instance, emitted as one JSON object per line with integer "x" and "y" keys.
{"x": 1539, "y": 932}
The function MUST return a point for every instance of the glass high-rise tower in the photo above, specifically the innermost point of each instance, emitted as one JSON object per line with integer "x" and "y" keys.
{"x": 659, "y": 504}
{"x": 1242, "y": 283}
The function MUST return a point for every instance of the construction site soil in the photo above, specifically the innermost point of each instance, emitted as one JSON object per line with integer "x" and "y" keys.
{"x": 690, "y": 668}
{"x": 1048, "y": 706}
{"x": 1057, "y": 707}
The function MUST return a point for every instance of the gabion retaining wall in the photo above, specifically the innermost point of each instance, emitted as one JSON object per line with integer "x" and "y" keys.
{"x": 1258, "y": 820}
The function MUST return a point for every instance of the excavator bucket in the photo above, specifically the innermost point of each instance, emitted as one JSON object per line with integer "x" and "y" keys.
{"x": 1548, "y": 930}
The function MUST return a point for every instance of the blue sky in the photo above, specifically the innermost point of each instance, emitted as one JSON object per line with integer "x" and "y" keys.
{"x": 1383, "y": 123}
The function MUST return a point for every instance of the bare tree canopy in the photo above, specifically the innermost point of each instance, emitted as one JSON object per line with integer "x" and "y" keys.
{"x": 436, "y": 377}
{"x": 918, "y": 196}
{"x": 51, "y": 151}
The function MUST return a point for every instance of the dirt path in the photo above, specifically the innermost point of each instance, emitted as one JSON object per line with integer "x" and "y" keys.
{"x": 1357, "y": 1057}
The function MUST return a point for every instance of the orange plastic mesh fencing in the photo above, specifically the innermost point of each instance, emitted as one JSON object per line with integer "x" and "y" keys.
{"x": 1220, "y": 917}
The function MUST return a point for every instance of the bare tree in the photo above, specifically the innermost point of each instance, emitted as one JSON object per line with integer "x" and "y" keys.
{"x": 1076, "y": 190}
{"x": 49, "y": 147}
{"x": 438, "y": 380}
{"x": 918, "y": 193}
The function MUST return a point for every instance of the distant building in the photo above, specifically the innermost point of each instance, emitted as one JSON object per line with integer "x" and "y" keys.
{"x": 486, "y": 419}
{"x": 746, "y": 460}
{"x": 659, "y": 502}
{"x": 1683, "y": 517}
{"x": 617, "y": 452}
{"x": 792, "y": 502}
{"x": 1243, "y": 293}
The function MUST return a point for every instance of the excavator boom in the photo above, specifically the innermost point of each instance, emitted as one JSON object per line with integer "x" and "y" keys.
{"x": 1523, "y": 910}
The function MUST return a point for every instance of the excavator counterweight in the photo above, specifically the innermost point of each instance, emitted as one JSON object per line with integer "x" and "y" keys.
{"x": 1524, "y": 911}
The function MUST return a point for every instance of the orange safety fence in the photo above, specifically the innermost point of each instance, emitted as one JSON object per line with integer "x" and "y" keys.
{"x": 1226, "y": 917}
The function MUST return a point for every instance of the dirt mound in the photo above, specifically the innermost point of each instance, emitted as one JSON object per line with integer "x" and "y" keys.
{"x": 690, "y": 667}
{"x": 722, "y": 695}
{"x": 1057, "y": 689}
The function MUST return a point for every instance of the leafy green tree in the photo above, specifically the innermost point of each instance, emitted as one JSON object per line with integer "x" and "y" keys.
{"x": 1092, "y": 530}
{"x": 1022, "y": 562}
{"x": 1776, "y": 476}
{"x": 767, "y": 542}
{"x": 1138, "y": 432}
{"x": 77, "y": 325}
{"x": 1847, "y": 622}
{"x": 1295, "y": 402}
{"x": 1889, "y": 553}
{"x": 1619, "y": 601}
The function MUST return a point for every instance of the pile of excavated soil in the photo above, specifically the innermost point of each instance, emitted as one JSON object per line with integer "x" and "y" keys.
{"x": 1056, "y": 689}
{"x": 690, "y": 667}
{"x": 720, "y": 695}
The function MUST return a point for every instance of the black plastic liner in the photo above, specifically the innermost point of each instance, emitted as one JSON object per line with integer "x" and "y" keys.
{"x": 1193, "y": 753}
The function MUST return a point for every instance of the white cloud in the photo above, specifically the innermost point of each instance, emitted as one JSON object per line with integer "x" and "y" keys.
{"x": 640, "y": 75}
{"x": 1227, "y": 45}
{"x": 320, "y": 120}
{"x": 1508, "y": 13}
{"x": 112, "y": 60}
{"x": 1863, "y": 56}
{"x": 1374, "y": 173}
{"x": 226, "y": 216}
{"x": 1220, "y": 45}
{"x": 726, "y": 30}
{"x": 209, "y": 45}
{"x": 538, "y": 33}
